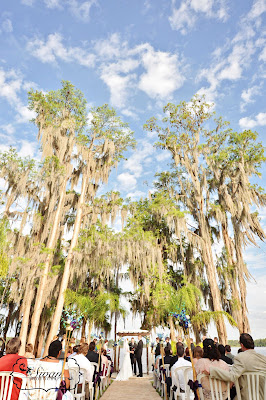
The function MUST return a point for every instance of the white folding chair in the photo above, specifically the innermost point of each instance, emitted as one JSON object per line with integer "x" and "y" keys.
{"x": 188, "y": 394}
{"x": 77, "y": 389}
{"x": 164, "y": 375}
{"x": 215, "y": 388}
{"x": 256, "y": 384}
{"x": 95, "y": 387}
{"x": 7, "y": 382}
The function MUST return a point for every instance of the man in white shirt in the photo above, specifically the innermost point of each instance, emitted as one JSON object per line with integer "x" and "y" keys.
{"x": 181, "y": 362}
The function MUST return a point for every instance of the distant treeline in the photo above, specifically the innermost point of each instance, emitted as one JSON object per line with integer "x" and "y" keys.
{"x": 258, "y": 343}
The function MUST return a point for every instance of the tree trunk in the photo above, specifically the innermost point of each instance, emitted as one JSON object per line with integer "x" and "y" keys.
{"x": 245, "y": 328}
{"x": 83, "y": 328}
{"x": 39, "y": 301}
{"x": 40, "y": 343}
{"x": 90, "y": 330}
{"x": 206, "y": 253}
{"x": 65, "y": 279}
{"x": 8, "y": 318}
{"x": 172, "y": 328}
{"x": 26, "y": 306}
{"x": 235, "y": 303}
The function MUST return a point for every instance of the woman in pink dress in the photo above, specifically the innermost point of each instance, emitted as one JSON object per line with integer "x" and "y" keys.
{"x": 211, "y": 358}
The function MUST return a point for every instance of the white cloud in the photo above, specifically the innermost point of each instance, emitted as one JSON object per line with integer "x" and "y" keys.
{"x": 163, "y": 156}
{"x": 11, "y": 85}
{"x": 8, "y": 128}
{"x": 248, "y": 95}
{"x": 27, "y": 149}
{"x": 258, "y": 8}
{"x": 162, "y": 76}
{"x": 184, "y": 18}
{"x": 125, "y": 69}
{"x": 81, "y": 10}
{"x": 52, "y": 49}
{"x": 52, "y": 3}
{"x": 249, "y": 123}
{"x": 6, "y": 25}
{"x": 136, "y": 195}
{"x": 127, "y": 181}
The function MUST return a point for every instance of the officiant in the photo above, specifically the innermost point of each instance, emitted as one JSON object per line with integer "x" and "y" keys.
{"x": 132, "y": 348}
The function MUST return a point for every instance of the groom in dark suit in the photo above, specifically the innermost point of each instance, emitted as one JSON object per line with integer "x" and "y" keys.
{"x": 138, "y": 354}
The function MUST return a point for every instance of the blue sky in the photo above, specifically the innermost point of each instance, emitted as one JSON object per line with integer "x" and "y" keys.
{"x": 136, "y": 56}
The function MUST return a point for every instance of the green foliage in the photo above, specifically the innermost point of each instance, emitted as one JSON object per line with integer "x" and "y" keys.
{"x": 4, "y": 260}
{"x": 204, "y": 318}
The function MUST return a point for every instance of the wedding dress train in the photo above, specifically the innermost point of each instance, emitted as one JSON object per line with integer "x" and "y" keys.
{"x": 126, "y": 370}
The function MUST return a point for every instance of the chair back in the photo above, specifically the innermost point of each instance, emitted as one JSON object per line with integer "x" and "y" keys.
{"x": 188, "y": 374}
{"x": 96, "y": 366}
{"x": 220, "y": 390}
{"x": 256, "y": 385}
{"x": 77, "y": 389}
{"x": 7, "y": 382}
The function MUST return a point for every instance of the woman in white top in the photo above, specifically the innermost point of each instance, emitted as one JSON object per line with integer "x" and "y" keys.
{"x": 81, "y": 360}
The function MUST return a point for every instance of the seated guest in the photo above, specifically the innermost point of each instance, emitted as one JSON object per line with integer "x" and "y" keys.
{"x": 168, "y": 344}
{"x": 51, "y": 367}
{"x": 228, "y": 352}
{"x": 29, "y": 351}
{"x": 181, "y": 362}
{"x": 226, "y": 359}
{"x": 13, "y": 362}
{"x": 246, "y": 361}
{"x": 192, "y": 344}
{"x": 92, "y": 356}
{"x": 75, "y": 351}
{"x": 197, "y": 354}
{"x": 104, "y": 358}
{"x": 83, "y": 363}
{"x": 167, "y": 357}
{"x": 70, "y": 351}
{"x": 175, "y": 358}
{"x": 215, "y": 339}
{"x": 187, "y": 355}
{"x": 211, "y": 357}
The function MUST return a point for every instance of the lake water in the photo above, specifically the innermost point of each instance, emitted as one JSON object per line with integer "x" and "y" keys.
{"x": 261, "y": 350}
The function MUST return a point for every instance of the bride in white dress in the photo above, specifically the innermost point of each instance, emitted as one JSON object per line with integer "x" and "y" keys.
{"x": 126, "y": 370}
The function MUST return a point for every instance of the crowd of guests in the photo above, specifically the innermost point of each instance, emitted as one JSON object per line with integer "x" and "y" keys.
{"x": 82, "y": 355}
{"x": 212, "y": 359}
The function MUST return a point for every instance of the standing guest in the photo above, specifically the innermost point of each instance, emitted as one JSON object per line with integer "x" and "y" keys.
{"x": 226, "y": 359}
{"x": 211, "y": 357}
{"x": 132, "y": 348}
{"x": 228, "y": 352}
{"x": 29, "y": 351}
{"x": 197, "y": 354}
{"x": 246, "y": 361}
{"x": 181, "y": 362}
{"x": 138, "y": 354}
{"x": 81, "y": 360}
{"x": 168, "y": 344}
{"x": 13, "y": 362}
{"x": 157, "y": 350}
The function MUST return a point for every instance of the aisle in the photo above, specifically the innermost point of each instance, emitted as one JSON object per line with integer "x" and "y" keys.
{"x": 133, "y": 389}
